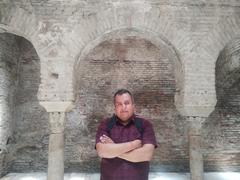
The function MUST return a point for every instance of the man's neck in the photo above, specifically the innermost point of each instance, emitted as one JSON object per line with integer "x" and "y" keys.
{"x": 125, "y": 122}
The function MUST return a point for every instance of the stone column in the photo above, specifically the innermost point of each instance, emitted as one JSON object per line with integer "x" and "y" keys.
{"x": 56, "y": 138}
{"x": 195, "y": 150}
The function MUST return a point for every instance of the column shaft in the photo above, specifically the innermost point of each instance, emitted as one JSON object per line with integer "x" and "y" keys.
{"x": 56, "y": 146}
{"x": 195, "y": 150}
{"x": 56, "y": 111}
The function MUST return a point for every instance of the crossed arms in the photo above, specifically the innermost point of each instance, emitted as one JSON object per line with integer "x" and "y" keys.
{"x": 132, "y": 151}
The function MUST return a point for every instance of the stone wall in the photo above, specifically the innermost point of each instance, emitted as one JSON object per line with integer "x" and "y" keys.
{"x": 30, "y": 140}
{"x": 166, "y": 52}
{"x": 9, "y": 53}
{"x": 221, "y": 130}
{"x": 25, "y": 122}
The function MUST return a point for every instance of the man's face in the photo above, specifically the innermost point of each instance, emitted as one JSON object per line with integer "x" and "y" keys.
{"x": 124, "y": 107}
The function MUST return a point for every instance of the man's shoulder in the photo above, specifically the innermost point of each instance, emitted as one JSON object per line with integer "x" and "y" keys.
{"x": 144, "y": 121}
{"x": 139, "y": 117}
{"x": 106, "y": 120}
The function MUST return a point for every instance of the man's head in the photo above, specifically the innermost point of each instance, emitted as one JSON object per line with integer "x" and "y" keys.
{"x": 124, "y": 104}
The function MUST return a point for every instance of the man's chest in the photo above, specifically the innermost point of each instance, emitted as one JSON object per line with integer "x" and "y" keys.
{"x": 121, "y": 134}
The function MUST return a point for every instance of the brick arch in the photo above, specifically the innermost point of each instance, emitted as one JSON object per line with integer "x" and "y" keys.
{"x": 223, "y": 32}
{"x": 159, "y": 27}
{"x": 228, "y": 76}
{"x": 226, "y": 30}
{"x": 23, "y": 23}
{"x": 109, "y": 20}
{"x": 147, "y": 35}
{"x": 18, "y": 21}
{"x": 20, "y": 72}
{"x": 222, "y": 45}
{"x": 228, "y": 60}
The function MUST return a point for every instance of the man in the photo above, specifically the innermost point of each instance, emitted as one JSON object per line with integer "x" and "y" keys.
{"x": 125, "y": 149}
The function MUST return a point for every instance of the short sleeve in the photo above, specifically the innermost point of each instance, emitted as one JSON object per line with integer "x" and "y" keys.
{"x": 102, "y": 130}
{"x": 148, "y": 136}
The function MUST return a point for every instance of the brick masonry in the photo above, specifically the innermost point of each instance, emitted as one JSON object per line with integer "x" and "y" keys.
{"x": 169, "y": 53}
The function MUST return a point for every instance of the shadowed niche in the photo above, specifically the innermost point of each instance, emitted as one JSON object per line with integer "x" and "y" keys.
{"x": 148, "y": 72}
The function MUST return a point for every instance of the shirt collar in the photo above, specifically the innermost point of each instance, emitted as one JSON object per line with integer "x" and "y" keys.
{"x": 130, "y": 121}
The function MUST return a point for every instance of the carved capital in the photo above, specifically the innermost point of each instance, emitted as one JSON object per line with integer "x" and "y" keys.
{"x": 57, "y": 122}
{"x": 57, "y": 106}
{"x": 195, "y": 125}
{"x": 191, "y": 110}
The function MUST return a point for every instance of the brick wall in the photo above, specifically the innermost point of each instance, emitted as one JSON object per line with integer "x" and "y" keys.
{"x": 148, "y": 72}
{"x": 69, "y": 52}
{"x": 9, "y": 53}
{"x": 221, "y": 130}
{"x": 28, "y": 145}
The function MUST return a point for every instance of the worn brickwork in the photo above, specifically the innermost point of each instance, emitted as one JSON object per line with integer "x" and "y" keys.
{"x": 221, "y": 141}
{"x": 222, "y": 128}
{"x": 30, "y": 140}
{"x": 8, "y": 81}
{"x": 148, "y": 72}
{"x": 174, "y": 55}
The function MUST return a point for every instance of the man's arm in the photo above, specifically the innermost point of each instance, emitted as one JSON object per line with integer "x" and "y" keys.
{"x": 144, "y": 153}
{"x": 112, "y": 150}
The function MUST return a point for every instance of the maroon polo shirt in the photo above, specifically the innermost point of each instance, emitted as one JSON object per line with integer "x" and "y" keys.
{"x": 120, "y": 169}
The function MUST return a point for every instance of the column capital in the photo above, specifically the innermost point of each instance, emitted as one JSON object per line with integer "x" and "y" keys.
{"x": 196, "y": 119}
{"x": 191, "y": 110}
{"x": 57, "y": 106}
{"x": 195, "y": 124}
{"x": 57, "y": 122}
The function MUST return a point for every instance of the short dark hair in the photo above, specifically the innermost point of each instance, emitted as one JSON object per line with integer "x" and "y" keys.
{"x": 121, "y": 92}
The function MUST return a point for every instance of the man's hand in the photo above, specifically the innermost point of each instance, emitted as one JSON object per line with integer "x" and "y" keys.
{"x": 136, "y": 143}
{"x": 107, "y": 148}
{"x": 141, "y": 154}
{"x": 105, "y": 139}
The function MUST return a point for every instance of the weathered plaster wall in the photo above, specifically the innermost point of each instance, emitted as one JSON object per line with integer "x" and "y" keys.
{"x": 29, "y": 144}
{"x": 221, "y": 130}
{"x": 24, "y": 124}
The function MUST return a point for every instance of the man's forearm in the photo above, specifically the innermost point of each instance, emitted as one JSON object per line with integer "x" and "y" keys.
{"x": 141, "y": 154}
{"x": 111, "y": 150}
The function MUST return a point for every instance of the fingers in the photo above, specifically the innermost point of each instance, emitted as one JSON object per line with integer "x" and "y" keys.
{"x": 137, "y": 143}
{"x": 105, "y": 139}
